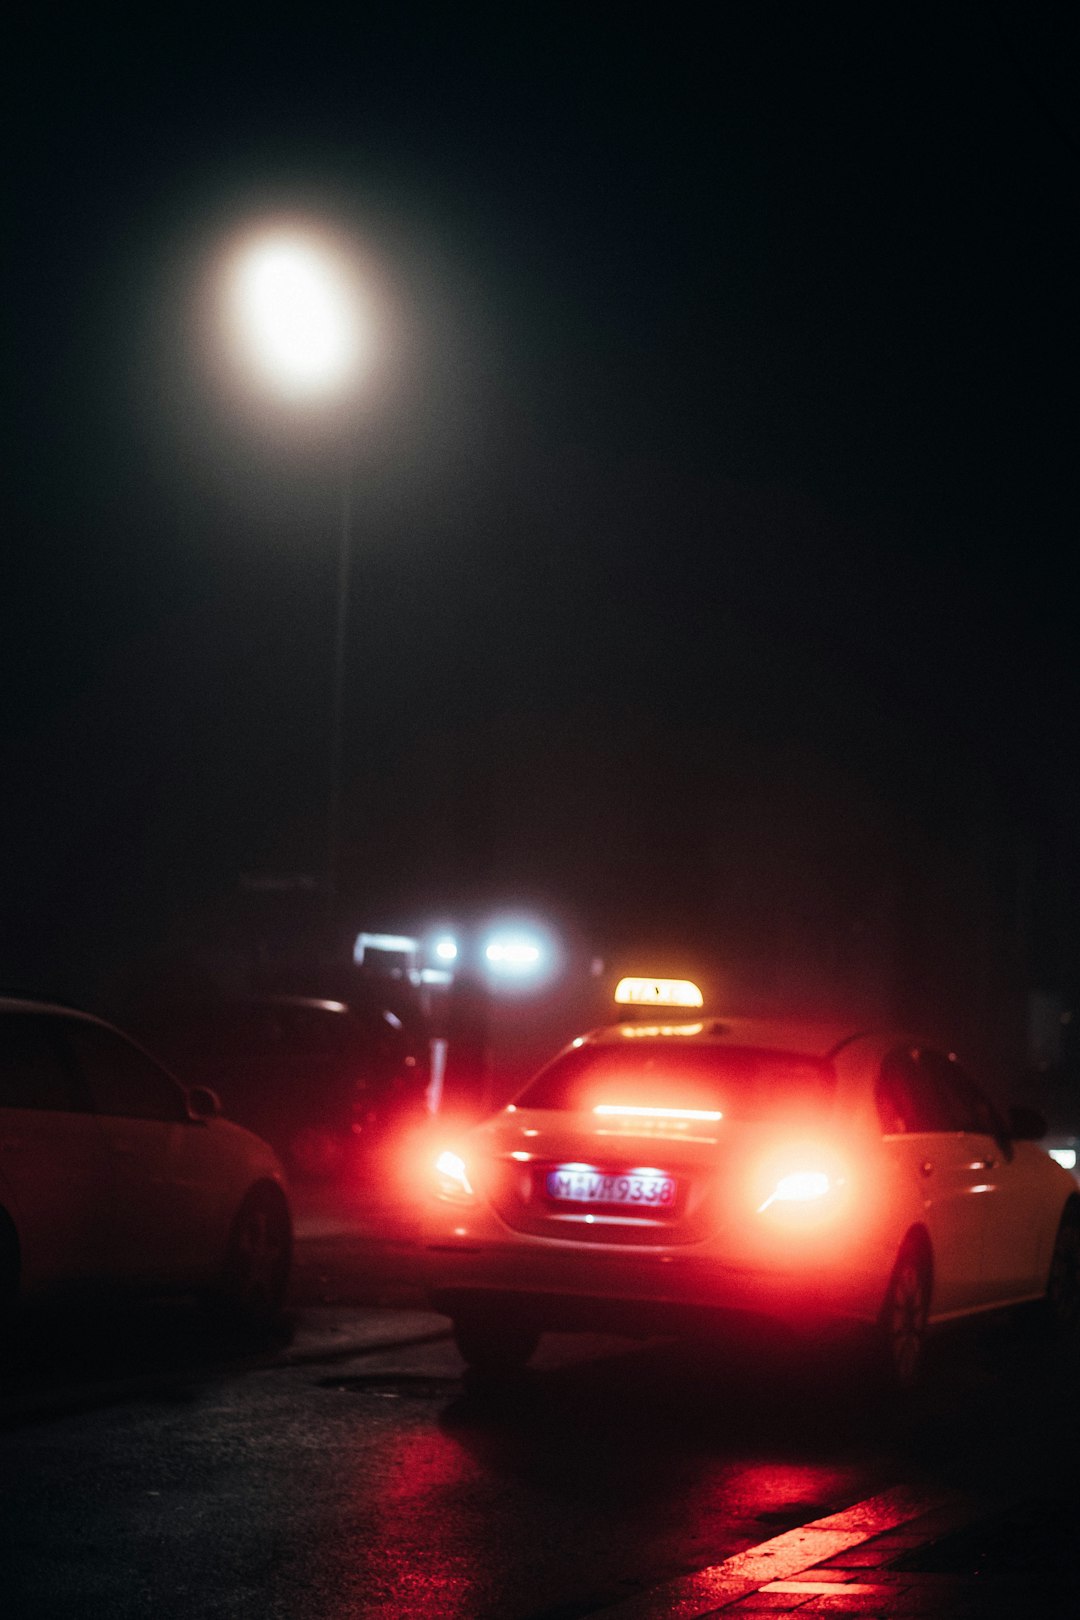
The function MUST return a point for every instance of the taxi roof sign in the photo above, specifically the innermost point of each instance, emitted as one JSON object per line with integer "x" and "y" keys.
{"x": 658, "y": 993}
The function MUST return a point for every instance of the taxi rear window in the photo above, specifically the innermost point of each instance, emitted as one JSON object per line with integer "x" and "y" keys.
{"x": 741, "y": 1082}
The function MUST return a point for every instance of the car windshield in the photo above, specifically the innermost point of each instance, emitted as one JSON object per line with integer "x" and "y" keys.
{"x": 740, "y": 1082}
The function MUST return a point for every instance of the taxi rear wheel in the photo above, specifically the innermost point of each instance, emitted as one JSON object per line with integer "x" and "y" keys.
{"x": 494, "y": 1345}
{"x": 902, "y": 1324}
{"x": 1062, "y": 1306}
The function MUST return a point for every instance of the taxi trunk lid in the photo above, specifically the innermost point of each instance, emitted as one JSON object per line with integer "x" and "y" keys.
{"x": 619, "y": 1180}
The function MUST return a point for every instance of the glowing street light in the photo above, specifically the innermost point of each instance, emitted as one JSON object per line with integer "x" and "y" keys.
{"x": 296, "y": 316}
{"x": 296, "y": 312}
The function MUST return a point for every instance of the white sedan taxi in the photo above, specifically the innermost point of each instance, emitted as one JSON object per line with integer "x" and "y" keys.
{"x": 675, "y": 1171}
{"x": 112, "y": 1174}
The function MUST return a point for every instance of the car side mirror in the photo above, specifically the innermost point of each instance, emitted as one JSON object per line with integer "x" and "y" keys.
{"x": 203, "y": 1103}
{"x": 1027, "y": 1124}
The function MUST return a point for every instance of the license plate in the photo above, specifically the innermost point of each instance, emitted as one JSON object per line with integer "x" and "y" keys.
{"x": 598, "y": 1187}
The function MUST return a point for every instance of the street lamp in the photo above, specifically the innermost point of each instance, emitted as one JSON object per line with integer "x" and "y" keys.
{"x": 297, "y": 313}
{"x": 296, "y": 316}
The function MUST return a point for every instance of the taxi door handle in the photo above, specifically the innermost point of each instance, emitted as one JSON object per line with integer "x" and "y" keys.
{"x": 985, "y": 1164}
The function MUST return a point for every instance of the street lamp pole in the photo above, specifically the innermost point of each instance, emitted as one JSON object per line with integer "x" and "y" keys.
{"x": 296, "y": 315}
{"x": 337, "y": 697}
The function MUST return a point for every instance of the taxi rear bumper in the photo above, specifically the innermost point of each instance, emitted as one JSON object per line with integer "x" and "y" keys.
{"x": 645, "y": 1291}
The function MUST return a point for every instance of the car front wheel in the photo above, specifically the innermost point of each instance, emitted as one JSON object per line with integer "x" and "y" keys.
{"x": 258, "y": 1261}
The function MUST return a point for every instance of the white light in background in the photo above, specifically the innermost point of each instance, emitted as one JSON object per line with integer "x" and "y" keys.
{"x": 397, "y": 944}
{"x": 513, "y": 953}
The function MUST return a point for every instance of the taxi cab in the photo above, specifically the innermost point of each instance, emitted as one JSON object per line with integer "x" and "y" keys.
{"x": 674, "y": 1171}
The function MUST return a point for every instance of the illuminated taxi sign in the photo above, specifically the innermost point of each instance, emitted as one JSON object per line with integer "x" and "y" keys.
{"x": 658, "y": 993}
{"x": 633, "y": 1032}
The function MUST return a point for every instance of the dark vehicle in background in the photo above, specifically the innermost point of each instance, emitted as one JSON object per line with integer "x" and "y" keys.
{"x": 324, "y": 1082}
{"x": 114, "y": 1175}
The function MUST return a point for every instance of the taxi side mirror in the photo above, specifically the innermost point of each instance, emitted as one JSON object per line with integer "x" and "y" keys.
{"x": 203, "y": 1104}
{"x": 1027, "y": 1124}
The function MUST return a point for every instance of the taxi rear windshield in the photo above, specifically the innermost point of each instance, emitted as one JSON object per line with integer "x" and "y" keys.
{"x": 740, "y": 1082}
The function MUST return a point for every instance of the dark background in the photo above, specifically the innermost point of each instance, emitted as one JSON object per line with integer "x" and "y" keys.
{"x": 714, "y": 491}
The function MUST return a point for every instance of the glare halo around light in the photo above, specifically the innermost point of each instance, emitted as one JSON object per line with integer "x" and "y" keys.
{"x": 296, "y": 313}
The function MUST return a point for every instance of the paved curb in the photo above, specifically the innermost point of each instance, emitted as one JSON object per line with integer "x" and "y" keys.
{"x": 382, "y": 1330}
{"x": 385, "y": 1329}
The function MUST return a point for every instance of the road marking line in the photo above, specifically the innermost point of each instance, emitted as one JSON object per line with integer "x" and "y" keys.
{"x": 689, "y": 1597}
{"x": 826, "y": 1588}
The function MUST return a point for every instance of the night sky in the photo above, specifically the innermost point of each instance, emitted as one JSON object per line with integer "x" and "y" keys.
{"x": 722, "y": 409}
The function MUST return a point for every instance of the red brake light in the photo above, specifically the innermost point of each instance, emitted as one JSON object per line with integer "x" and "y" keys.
{"x": 799, "y": 1187}
{"x": 452, "y": 1178}
{"x": 805, "y": 1185}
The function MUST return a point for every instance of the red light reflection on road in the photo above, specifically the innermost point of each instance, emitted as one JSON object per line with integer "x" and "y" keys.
{"x": 804, "y": 1490}
{"x": 416, "y": 1560}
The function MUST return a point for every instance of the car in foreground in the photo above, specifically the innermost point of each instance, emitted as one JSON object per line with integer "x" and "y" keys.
{"x": 323, "y": 1081}
{"x": 681, "y": 1172}
{"x": 112, "y": 1174}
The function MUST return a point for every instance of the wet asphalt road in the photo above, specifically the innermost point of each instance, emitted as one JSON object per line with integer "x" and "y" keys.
{"x": 150, "y": 1468}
